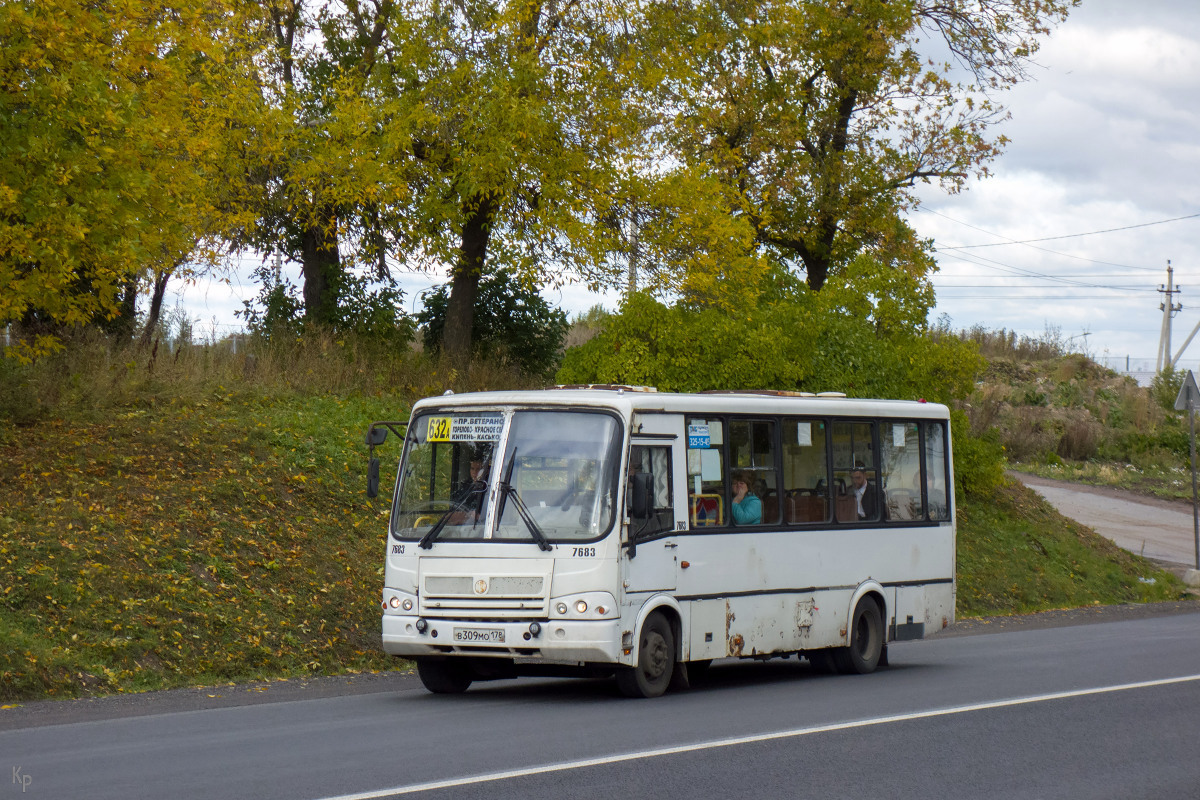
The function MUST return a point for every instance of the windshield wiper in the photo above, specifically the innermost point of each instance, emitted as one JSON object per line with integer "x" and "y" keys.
{"x": 506, "y": 489}
{"x": 464, "y": 505}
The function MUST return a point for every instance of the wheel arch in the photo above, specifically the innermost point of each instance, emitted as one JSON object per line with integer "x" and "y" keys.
{"x": 874, "y": 590}
{"x": 669, "y": 607}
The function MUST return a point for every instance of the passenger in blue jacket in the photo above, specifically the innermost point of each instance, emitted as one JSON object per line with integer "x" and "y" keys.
{"x": 746, "y": 508}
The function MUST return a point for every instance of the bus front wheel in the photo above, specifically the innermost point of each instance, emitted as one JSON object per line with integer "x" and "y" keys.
{"x": 444, "y": 676}
{"x": 656, "y": 660}
{"x": 866, "y": 641}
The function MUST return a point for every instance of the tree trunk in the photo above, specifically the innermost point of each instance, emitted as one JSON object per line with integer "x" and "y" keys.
{"x": 154, "y": 314}
{"x": 464, "y": 281}
{"x": 321, "y": 266}
{"x": 818, "y": 259}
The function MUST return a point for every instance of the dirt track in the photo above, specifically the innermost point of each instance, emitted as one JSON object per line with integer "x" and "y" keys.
{"x": 1161, "y": 530}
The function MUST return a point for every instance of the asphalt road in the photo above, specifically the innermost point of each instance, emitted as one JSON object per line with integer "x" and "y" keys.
{"x": 1090, "y": 711}
{"x": 1158, "y": 529}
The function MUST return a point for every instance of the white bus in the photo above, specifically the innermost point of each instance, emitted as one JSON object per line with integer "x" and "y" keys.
{"x": 620, "y": 530}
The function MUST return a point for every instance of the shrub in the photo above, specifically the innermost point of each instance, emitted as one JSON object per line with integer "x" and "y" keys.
{"x": 1165, "y": 387}
{"x": 362, "y": 307}
{"x": 799, "y": 344}
{"x": 511, "y": 321}
{"x": 978, "y": 461}
{"x": 1080, "y": 438}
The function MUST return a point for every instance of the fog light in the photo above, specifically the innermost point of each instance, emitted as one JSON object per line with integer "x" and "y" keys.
{"x": 534, "y": 629}
{"x": 408, "y": 605}
{"x": 561, "y": 608}
{"x": 422, "y": 625}
{"x": 581, "y": 606}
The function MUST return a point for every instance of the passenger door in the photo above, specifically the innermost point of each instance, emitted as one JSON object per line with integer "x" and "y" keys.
{"x": 649, "y": 552}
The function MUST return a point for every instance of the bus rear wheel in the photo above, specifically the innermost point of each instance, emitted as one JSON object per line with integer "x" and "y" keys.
{"x": 866, "y": 641}
{"x": 656, "y": 660}
{"x": 445, "y": 676}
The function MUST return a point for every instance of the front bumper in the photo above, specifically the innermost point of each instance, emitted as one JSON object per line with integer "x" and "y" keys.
{"x": 559, "y": 642}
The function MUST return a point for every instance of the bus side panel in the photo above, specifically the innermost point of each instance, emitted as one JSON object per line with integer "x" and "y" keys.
{"x": 784, "y": 623}
{"x": 921, "y": 610}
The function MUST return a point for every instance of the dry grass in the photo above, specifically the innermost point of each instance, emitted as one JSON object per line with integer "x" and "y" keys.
{"x": 92, "y": 375}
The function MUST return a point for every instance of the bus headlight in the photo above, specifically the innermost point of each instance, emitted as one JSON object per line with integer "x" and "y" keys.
{"x": 407, "y": 604}
{"x": 589, "y": 605}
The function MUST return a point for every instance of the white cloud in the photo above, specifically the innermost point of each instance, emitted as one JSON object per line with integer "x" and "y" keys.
{"x": 1105, "y": 137}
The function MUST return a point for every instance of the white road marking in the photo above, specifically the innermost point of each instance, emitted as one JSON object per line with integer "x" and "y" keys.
{"x": 450, "y": 783}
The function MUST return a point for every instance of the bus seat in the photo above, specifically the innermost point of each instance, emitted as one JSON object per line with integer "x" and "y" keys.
{"x": 805, "y": 508}
{"x": 847, "y": 510}
{"x": 770, "y": 508}
{"x": 901, "y": 504}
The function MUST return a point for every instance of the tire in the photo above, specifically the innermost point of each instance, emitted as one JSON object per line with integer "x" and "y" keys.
{"x": 656, "y": 660}
{"x": 822, "y": 661}
{"x": 444, "y": 676}
{"x": 866, "y": 641}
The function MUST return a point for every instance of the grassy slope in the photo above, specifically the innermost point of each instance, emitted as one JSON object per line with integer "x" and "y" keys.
{"x": 224, "y": 540}
{"x": 1017, "y": 554}
{"x": 229, "y": 539}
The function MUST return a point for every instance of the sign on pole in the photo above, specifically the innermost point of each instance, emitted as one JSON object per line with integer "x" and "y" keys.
{"x": 1188, "y": 400}
{"x": 1189, "y": 394}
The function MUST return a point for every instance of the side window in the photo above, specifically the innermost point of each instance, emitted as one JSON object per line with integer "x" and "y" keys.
{"x": 806, "y": 495}
{"x": 752, "y": 446}
{"x": 900, "y": 469}
{"x": 706, "y": 473}
{"x": 855, "y": 473}
{"x": 654, "y": 460}
{"x": 936, "y": 480}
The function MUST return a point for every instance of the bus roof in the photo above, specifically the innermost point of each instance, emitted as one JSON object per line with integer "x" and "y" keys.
{"x": 628, "y": 400}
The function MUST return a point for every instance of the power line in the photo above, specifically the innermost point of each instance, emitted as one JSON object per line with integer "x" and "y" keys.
{"x": 990, "y": 296}
{"x": 1044, "y": 249}
{"x": 983, "y": 261}
{"x": 1072, "y": 235}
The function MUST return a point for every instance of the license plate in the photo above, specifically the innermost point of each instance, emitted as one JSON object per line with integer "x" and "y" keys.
{"x": 489, "y": 635}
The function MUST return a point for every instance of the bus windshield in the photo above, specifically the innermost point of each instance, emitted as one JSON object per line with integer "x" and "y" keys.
{"x": 558, "y": 467}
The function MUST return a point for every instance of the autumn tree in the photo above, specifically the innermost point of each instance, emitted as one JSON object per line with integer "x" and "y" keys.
{"x": 518, "y": 130}
{"x": 101, "y": 154}
{"x": 815, "y": 119}
{"x": 311, "y": 142}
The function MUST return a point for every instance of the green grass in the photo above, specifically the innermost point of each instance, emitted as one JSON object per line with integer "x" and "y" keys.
{"x": 1016, "y": 554}
{"x": 188, "y": 544}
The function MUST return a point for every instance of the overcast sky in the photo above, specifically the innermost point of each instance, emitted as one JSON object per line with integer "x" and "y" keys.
{"x": 1106, "y": 135}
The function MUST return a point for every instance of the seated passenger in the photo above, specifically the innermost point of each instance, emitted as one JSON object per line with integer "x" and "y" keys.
{"x": 746, "y": 507}
{"x": 864, "y": 494}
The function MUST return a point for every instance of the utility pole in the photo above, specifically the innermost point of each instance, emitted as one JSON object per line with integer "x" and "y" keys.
{"x": 1169, "y": 310}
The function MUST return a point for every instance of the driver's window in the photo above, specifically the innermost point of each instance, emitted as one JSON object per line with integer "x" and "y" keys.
{"x": 654, "y": 460}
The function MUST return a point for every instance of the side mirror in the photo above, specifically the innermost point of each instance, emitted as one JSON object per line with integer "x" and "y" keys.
{"x": 376, "y": 436}
{"x": 373, "y": 476}
{"x": 641, "y": 487}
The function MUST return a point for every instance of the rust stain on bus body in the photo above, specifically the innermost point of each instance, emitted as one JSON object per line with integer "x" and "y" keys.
{"x": 733, "y": 641}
